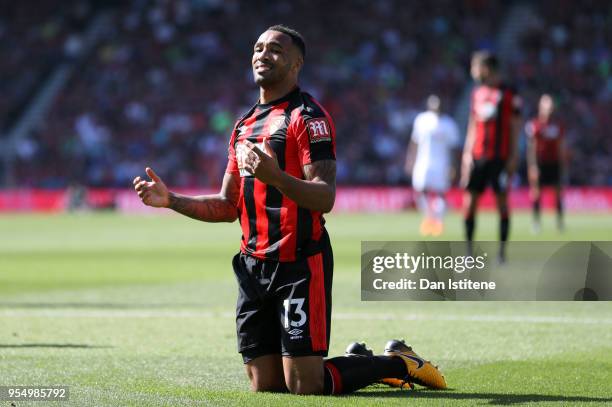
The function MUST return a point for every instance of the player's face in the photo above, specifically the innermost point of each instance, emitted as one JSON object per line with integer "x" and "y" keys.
{"x": 274, "y": 58}
{"x": 547, "y": 105}
{"x": 479, "y": 71}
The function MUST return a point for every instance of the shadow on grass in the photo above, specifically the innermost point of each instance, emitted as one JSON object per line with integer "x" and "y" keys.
{"x": 52, "y": 345}
{"x": 492, "y": 398}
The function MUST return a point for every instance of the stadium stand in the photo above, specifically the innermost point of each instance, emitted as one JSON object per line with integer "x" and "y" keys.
{"x": 167, "y": 80}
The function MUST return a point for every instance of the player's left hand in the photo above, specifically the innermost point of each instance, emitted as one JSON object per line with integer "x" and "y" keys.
{"x": 262, "y": 164}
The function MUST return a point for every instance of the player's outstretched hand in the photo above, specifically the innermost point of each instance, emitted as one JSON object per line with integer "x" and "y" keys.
{"x": 262, "y": 164}
{"x": 152, "y": 193}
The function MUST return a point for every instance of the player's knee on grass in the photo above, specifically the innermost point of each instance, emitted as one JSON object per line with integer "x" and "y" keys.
{"x": 266, "y": 384}
{"x": 305, "y": 385}
{"x": 266, "y": 374}
{"x": 304, "y": 375}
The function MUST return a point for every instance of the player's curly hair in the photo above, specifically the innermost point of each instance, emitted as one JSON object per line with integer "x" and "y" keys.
{"x": 296, "y": 37}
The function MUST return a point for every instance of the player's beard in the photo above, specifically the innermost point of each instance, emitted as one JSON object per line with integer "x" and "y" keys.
{"x": 276, "y": 74}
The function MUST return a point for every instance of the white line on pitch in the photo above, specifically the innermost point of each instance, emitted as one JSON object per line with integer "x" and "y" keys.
{"x": 93, "y": 313}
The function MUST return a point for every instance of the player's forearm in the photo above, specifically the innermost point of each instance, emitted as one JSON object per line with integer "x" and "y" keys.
{"x": 315, "y": 195}
{"x": 207, "y": 208}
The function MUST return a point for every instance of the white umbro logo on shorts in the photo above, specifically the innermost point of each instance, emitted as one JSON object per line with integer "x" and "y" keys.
{"x": 295, "y": 332}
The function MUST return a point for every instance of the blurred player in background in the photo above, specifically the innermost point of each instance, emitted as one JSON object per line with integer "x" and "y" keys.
{"x": 545, "y": 158}
{"x": 434, "y": 136}
{"x": 490, "y": 154}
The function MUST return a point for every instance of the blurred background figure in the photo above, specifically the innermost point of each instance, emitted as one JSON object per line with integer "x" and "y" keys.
{"x": 429, "y": 160}
{"x": 490, "y": 154}
{"x": 546, "y": 164}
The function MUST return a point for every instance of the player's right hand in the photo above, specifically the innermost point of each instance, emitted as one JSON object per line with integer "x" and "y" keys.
{"x": 152, "y": 193}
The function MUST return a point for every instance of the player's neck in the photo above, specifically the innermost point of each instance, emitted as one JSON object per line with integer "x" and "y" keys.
{"x": 270, "y": 94}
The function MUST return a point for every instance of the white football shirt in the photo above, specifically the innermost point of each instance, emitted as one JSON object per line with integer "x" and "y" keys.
{"x": 435, "y": 135}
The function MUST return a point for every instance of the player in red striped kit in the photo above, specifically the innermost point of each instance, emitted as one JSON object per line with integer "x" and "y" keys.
{"x": 490, "y": 152}
{"x": 545, "y": 158}
{"x": 280, "y": 179}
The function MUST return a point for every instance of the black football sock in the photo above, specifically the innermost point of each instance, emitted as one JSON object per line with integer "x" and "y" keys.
{"x": 469, "y": 228}
{"x": 559, "y": 207}
{"x": 345, "y": 374}
{"x": 504, "y": 227}
{"x": 536, "y": 210}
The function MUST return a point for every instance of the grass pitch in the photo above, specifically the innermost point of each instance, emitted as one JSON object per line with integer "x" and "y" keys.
{"x": 140, "y": 311}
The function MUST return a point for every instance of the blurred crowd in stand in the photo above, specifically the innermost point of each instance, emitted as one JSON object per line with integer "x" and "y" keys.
{"x": 167, "y": 79}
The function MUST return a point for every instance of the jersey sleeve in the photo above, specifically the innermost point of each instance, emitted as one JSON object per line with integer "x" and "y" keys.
{"x": 232, "y": 163}
{"x": 316, "y": 138}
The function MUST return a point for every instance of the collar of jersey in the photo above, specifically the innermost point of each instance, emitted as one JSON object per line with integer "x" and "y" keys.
{"x": 288, "y": 96}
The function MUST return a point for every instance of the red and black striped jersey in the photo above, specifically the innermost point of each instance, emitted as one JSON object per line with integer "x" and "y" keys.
{"x": 548, "y": 136}
{"x": 300, "y": 132}
{"x": 492, "y": 110}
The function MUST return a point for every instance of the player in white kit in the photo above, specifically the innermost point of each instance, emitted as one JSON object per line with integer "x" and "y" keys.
{"x": 434, "y": 137}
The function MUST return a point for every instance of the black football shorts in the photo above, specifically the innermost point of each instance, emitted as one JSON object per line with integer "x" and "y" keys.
{"x": 284, "y": 307}
{"x": 550, "y": 173}
{"x": 488, "y": 172}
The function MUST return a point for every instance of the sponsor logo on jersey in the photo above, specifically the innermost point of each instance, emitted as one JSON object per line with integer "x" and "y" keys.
{"x": 318, "y": 130}
{"x": 486, "y": 111}
{"x": 277, "y": 124}
{"x": 486, "y": 101}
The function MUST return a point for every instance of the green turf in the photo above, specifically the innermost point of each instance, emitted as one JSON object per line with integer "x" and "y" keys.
{"x": 139, "y": 311}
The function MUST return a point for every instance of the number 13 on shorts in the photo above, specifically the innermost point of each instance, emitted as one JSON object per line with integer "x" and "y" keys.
{"x": 299, "y": 311}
